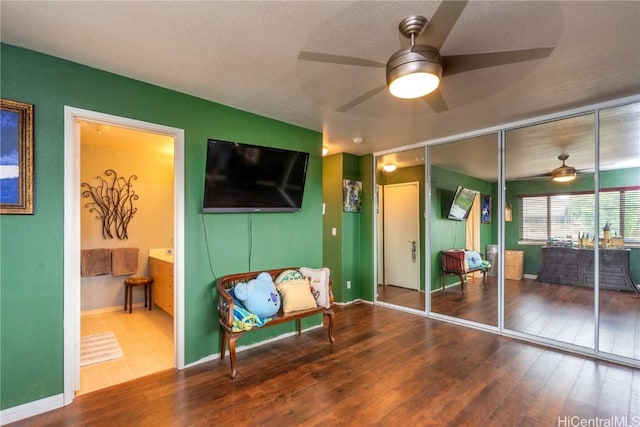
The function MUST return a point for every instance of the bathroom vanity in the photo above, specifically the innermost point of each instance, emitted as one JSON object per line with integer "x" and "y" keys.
{"x": 161, "y": 269}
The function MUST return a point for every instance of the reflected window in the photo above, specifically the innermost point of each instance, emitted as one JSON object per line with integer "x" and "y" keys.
{"x": 564, "y": 216}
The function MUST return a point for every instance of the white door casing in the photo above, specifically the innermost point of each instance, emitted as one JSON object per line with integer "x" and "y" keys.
{"x": 71, "y": 317}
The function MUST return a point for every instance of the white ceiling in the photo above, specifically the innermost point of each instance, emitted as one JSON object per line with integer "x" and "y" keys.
{"x": 245, "y": 55}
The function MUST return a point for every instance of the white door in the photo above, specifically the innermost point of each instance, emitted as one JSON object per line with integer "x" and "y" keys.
{"x": 402, "y": 235}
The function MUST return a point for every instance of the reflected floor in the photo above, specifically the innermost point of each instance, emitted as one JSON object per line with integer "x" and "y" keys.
{"x": 478, "y": 304}
{"x": 565, "y": 313}
{"x": 559, "y": 312}
{"x": 404, "y": 297}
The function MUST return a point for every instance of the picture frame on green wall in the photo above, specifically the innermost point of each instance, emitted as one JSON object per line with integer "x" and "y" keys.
{"x": 351, "y": 195}
{"x": 485, "y": 209}
{"x": 16, "y": 157}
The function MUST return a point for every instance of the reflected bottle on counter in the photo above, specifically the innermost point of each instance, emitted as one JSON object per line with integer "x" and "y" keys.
{"x": 607, "y": 233}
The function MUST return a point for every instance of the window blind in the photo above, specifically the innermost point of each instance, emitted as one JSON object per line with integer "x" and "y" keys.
{"x": 572, "y": 215}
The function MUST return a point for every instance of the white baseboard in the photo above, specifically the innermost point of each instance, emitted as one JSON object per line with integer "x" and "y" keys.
{"x": 37, "y": 407}
{"x": 355, "y": 301}
{"x": 450, "y": 285}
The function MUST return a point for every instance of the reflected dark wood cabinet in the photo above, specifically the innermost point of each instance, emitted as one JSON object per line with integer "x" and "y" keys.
{"x": 571, "y": 266}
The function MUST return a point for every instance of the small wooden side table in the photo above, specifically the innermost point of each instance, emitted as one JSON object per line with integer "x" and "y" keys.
{"x": 131, "y": 283}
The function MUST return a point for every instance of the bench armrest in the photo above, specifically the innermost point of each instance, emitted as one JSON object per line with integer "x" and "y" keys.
{"x": 453, "y": 261}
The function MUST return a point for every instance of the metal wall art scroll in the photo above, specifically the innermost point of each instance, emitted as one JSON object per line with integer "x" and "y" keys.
{"x": 16, "y": 157}
{"x": 112, "y": 202}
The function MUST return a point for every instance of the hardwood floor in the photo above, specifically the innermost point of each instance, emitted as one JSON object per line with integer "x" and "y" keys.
{"x": 386, "y": 368}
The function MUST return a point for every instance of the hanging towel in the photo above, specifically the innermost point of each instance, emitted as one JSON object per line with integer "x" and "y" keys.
{"x": 95, "y": 262}
{"x": 124, "y": 261}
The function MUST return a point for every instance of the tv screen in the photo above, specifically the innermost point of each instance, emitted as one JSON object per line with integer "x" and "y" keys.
{"x": 250, "y": 178}
{"x": 461, "y": 203}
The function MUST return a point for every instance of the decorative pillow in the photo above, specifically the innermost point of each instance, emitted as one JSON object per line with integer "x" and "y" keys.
{"x": 296, "y": 295}
{"x": 288, "y": 275}
{"x": 474, "y": 259}
{"x": 319, "y": 278}
{"x": 259, "y": 295}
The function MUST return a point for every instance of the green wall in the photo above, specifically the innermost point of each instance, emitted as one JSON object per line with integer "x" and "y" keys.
{"x": 349, "y": 254}
{"x": 332, "y": 198}
{"x": 366, "y": 285}
{"x": 31, "y": 246}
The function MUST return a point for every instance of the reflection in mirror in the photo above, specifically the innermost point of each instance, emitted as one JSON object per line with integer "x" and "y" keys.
{"x": 400, "y": 181}
{"x": 463, "y": 231}
{"x": 547, "y": 289}
{"x": 619, "y": 231}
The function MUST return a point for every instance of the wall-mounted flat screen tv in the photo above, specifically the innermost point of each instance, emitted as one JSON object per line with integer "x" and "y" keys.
{"x": 461, "y": 203}
{"x": 250, "y": 178}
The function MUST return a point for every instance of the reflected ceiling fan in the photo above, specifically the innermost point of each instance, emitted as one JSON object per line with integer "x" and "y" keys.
{"x": 563, "y": 173}
{"x": 416, "y": 71}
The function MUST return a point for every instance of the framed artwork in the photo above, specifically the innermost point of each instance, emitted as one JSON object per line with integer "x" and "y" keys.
{"x": 16, "y": 157}
{"x": 351, "y": 195}
{"x": 485, "y": 206}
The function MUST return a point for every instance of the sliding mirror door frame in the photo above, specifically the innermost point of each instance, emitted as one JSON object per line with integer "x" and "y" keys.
{"x": 503, "y": 229}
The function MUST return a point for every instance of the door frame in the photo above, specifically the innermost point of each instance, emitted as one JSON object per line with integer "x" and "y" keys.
{"x": 72, "y": 245}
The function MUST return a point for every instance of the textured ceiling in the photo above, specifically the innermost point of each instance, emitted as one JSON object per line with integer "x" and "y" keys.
{"x": 245, "y": 55}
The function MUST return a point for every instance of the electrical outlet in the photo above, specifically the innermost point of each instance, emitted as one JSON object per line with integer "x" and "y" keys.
{"x": 334, "y": 231}
{"x": 348, "y": 284}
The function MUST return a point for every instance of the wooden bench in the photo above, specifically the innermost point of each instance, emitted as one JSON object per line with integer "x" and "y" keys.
{"x": 225, "y": 308}
{"x": 453, "y": 262}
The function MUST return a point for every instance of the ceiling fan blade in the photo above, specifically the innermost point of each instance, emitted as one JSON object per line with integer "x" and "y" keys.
{"x": 338, "y": 59}
{"x": 442, "y": 23}
{"x": 455, "y": 64}
{"x": 361, "y": 98}
{"x": 539, "y": 177}
{"x": 436, "y": 101}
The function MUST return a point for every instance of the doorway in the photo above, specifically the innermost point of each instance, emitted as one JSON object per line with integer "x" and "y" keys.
{"x": 400, "y": 180}
{"x": 132, "y": 172}
{"x": 73, "y": 205}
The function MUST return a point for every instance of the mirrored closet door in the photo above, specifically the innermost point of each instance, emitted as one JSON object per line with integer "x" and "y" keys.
{"x": 400, "y": 179}
{"x": 619, "y": 231}
{"x": 550, "y": 190}
{"x": 463, "y": 232}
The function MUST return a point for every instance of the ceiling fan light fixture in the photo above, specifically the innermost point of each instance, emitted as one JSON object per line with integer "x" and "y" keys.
{"x": 563, "y": 173}
{"x": 414, "y": 72}
{"x": 414, "y": 85}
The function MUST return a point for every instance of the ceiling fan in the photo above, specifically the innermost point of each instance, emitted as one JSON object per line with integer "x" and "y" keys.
{"x": 563, "y": 173}
{"x": 423, "y": 61}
